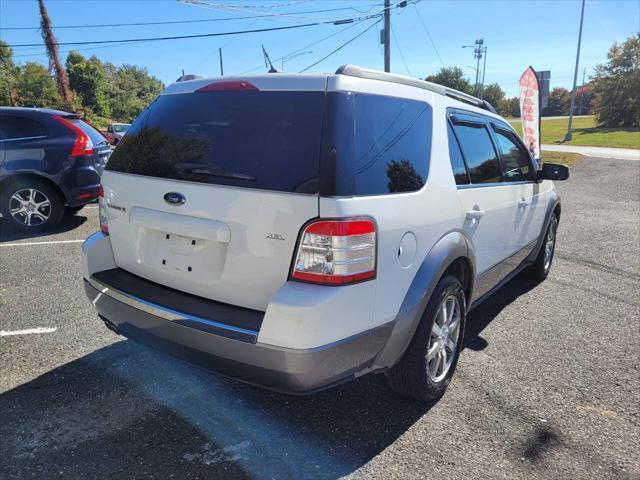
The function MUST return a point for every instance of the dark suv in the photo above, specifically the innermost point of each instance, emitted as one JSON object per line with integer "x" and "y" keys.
{"x": 50, "y": 161}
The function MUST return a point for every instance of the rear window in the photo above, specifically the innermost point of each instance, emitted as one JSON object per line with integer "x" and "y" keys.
{"x": 264, "y": 140}
{"x": 95, "y": 136}
{"x": 375, "y": 144}
{"x": 480, "y": 156}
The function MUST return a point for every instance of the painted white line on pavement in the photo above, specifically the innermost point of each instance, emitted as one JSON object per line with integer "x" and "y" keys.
{"x": 27, "y": 331}
{"x": 39, "y": 243}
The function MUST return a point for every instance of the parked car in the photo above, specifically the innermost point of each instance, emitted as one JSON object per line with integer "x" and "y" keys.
{"x": 297, "y": 231}
{"x": 50, "y": 161}
{"x": 116, "y": 131}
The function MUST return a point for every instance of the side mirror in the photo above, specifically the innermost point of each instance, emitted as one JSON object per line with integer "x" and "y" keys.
{"x": 553, "y": 171}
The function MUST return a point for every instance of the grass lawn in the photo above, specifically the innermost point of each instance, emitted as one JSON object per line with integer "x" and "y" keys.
{"x": 585, "y": 132}
{"x": 569, "y": 159}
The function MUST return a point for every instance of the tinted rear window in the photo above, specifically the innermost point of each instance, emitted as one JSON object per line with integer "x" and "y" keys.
{"x": 95, "y": 136}
{"x": 375, "y": 144}
{"x": 265, "y": 140}
{"x": 480, "y": 156}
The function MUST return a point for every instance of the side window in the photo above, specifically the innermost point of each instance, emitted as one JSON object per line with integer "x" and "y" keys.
{"x": 14, "y": 127}
{"x": 455, "y": 156}
{"x": 514, "y": 159}
{"x": 481, "y": 157}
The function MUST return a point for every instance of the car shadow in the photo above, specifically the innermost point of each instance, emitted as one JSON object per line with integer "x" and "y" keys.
{"x": 127, "y": 411}
{"x": 68, "y": 223}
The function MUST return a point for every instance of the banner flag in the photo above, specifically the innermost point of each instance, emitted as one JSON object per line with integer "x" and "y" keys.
{"x": 530, "y": 112}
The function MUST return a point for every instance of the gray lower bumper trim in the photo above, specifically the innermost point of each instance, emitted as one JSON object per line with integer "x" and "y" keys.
{"x": 276, "y": 368}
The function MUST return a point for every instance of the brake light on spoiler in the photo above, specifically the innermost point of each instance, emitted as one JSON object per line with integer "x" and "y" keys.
{"x": 229, "y": 86}
{"x": 336, "y": 252}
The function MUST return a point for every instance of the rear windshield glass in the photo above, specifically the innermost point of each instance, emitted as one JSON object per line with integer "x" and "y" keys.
{"x": 264, "y": 140}
{"x": 375, "y": 144}
{"x": 96, "y": 137}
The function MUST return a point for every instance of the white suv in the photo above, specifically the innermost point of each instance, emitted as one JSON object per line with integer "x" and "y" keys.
{"x": 297, "y": 231}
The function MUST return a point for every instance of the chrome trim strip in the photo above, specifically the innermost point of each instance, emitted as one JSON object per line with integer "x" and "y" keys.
{"x": 160, "y": 311}
{"x": 23, "y": 138}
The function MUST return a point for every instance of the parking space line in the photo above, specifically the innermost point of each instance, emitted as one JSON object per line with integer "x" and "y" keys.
{"x": 26, "y": 244}
{"x": 27, "y": 331}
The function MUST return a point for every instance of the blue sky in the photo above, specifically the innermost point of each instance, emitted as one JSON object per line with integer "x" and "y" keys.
{"x": 517, "y": 33}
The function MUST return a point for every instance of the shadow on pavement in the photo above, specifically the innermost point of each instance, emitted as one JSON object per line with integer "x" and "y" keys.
{"x": 127, "y": 411}
{"x": 68, "y": 223}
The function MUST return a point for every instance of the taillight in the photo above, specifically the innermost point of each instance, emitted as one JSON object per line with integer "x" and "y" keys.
{"x": 83, "y": 144}
{"x": 229, "y": 86}
{"x": 336, "y": 252}
{"x": 102, "y": 211}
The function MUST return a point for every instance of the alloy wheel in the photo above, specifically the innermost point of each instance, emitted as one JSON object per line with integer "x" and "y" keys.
{"x": 550, "y": 243}
{"x": 30, "y": 207}
{"x": 444, "y": 339}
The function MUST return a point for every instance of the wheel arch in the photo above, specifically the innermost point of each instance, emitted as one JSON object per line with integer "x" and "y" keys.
{"x": 41, "y": 178}
{"x": 452, "y": 254}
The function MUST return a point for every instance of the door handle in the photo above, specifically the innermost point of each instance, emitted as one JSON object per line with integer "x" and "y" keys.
{"x": 475, "y": 214}
{"x": 523, "y": 203}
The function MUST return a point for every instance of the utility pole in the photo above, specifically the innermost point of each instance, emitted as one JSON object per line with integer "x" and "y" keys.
{"x": 387, "y": 35}
{"x": 478, "y": 51}
{"x": 568, "y": 136}
{"x": 484, "y": 67}
{"x": 584, "y": 73}
{"x": 221, "y": 67}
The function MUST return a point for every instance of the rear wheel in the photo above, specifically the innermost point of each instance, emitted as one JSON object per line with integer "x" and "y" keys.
{"x": 425, "y": 370}
{"x": 31, "y": 205}
{"x": 541, "y": 267}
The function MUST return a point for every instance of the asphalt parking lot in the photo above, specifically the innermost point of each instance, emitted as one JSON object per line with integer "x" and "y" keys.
{"x": 548, "y": 386}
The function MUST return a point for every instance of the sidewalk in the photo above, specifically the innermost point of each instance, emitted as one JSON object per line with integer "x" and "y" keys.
{"x": 622, "y": 153}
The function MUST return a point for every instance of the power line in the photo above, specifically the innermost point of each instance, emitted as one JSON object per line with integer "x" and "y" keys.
{"x": 400, "y": 51}
{"x": 341, "y": 46}
{"x": 208, "y": 20}
{"x": 177, "y": 37}
{"x": 424, "y": 25}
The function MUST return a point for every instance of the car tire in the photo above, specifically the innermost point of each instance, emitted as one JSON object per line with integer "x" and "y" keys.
{"x": 416, "y": 376}
{"x": 542, "y": 266}
{"x": 39, "y": 205}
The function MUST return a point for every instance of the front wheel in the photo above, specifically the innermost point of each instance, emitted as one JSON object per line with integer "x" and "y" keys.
{"x": 425, "y": 370}
{"x": 542, "y": 266}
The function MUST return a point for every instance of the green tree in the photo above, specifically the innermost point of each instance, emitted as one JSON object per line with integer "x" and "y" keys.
{"x": 130, "y": 90}
{"x": 37, "y": 87}
{"x": 510, "y": 108}
{"x": 88, "y": 79}
{"x": 494, "y": 95}
{"x": 616, "y": 86}
{"x": 8, "y": 76}
{"x": 452, "y": 77}
{"x": 558, "y": 103}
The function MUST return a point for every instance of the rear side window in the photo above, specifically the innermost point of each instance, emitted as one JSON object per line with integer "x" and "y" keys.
{"x": 252, "y": 139}
{"x": 375, "y": 145}
{"x": 457, "y": 162}
{"x": 515, "y": 160}
{"x": 481, "y": 157}
{"x": 15, "y": 127}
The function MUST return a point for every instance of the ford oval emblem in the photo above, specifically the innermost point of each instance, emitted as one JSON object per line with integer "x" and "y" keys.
{"x": 174, "y": 198}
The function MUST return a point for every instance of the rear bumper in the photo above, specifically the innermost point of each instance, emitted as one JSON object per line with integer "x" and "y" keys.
{"x": 232, "y": 351}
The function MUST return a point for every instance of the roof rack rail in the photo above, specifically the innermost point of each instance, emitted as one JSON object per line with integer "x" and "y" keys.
{"x": 355, "y": 71}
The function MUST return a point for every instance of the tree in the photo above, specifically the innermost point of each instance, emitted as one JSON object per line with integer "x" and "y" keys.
{"x": 8, "y": 76}
{"x": 494, "y": 95}
{"x": 88, "y": 79}
{"x": 510, "y": 108}
{"x": 130, "y": 90}
{"x": 584, "y": 100}
{"x": 36, "y": 87}
{"x": 452, "y": 77}
{"x": 558, "y": 103}
{"x": 616, "y": 86}
{"x": 62, "y": 82}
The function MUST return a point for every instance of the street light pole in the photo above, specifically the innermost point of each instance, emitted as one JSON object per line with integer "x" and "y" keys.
{"x": 568, "y": 136}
